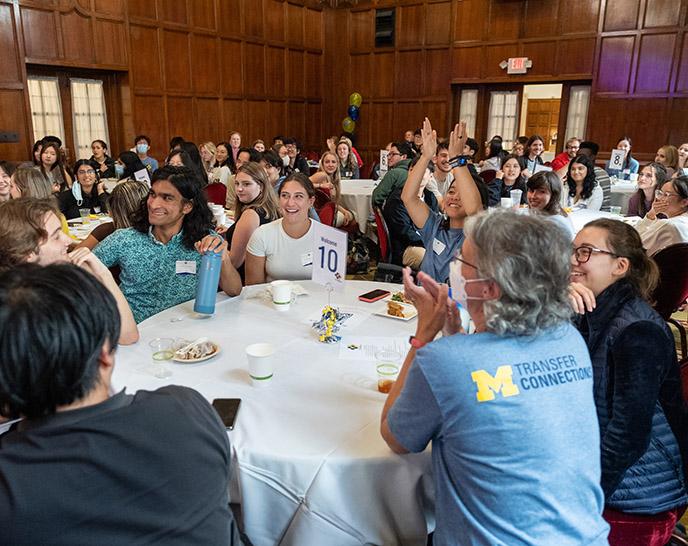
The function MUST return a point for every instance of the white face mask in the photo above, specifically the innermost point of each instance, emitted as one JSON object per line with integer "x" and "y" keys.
{"x": 458, "y": 284}
{"x": 285, "y": 160}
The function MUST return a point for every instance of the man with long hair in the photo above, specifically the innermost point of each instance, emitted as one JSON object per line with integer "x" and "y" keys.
{"x": 161, "y": 253}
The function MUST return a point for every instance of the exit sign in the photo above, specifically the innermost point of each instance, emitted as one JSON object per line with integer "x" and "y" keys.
{"x": 518, "y": 65}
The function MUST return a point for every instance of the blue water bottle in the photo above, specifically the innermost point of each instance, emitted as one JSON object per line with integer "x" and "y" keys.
{"x": 208, "y": 278}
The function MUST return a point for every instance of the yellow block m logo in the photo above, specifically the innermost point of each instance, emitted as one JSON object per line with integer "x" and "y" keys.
{"x": 488, "y": 385}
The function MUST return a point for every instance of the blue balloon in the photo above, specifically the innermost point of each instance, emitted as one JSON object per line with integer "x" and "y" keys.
{"x": 353, "y": 112}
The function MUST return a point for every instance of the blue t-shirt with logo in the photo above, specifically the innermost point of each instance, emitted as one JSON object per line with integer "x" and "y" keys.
{"x": 515, "y": 439}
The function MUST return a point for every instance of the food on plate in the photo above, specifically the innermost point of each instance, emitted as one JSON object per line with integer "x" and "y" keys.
{"x": 199, "y": 350}
{"x": 400, "y": 297}
{"x": 395, "y": 309}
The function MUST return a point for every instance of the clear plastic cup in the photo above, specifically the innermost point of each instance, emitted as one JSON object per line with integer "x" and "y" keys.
{"x": 162, "y": 351}
{"x": 85, "y": 216}
{"x": 387, "y": 366}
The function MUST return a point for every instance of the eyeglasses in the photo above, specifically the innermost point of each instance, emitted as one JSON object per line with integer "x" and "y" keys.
{"x": 89, "y": 171}
{"x": 458, "y": 258}
{"x": 659, "y": 194}
{"x": 389, "y": 154}
{"x": 583, "y": 253}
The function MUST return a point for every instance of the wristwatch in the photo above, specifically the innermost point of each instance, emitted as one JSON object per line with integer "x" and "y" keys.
{"x": 416, "y": 343}
{"x": 459, "y": 161}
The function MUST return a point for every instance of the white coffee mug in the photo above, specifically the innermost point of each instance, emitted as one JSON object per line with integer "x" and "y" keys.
{"x": 260, "y": 363}
{"x": 282, "y": 295}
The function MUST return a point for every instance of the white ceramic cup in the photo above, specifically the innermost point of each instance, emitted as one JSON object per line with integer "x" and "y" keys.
{"x": 516, "y": 198}
{"x": 281, "y": 295}
{"x": 260, "y": 363}
{"x": 507, "y": 203}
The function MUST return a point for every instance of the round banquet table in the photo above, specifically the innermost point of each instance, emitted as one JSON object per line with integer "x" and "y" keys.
{"x": 309, "y": 464}
{"x": 357, "y": 197}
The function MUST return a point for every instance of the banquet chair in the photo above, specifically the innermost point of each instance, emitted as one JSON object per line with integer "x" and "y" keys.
{"x": 672, "y": 289}
{"x": 385, "y": 272}
{"x": 216, "y": 193}
{"x": 327, "y": 213}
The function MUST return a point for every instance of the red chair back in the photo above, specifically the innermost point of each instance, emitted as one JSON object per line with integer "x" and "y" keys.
{"x": 382, "y": 234}
{"x": 488, "y": 176}
{"x": 328, "y": 213}
{"x": 216, "y": 193}
{"x": 672, "y": 289}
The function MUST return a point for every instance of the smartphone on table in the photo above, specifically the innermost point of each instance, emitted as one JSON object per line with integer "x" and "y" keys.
{"x": 373, "y": 295}
{"x": 227, "y": 409}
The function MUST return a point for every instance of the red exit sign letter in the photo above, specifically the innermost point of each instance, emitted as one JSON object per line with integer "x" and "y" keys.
{"x": 517, "y": 65}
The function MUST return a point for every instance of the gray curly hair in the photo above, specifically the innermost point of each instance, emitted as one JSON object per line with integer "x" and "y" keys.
{"x": 529, "y": 257}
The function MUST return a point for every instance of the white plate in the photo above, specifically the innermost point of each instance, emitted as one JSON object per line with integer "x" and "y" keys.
{"x": 194, "y": 360}
{"x": 389, "y": 298}
{"x": 409, "y": 311}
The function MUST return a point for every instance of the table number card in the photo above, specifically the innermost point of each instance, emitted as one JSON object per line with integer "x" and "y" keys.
{"x": 329, "y": 256}
{"x": 616, "y": 160}
{"x": 384, "y": 165}
{"x": 142, "y": 176}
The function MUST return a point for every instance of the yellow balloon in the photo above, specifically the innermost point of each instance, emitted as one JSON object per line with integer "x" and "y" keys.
{"x": 355, "y": 99}
{"x": 348, "y": 124}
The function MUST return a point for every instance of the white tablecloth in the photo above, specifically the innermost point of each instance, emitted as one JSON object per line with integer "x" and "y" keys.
{"x": 621, "y": 193}
{"x": 79, "y": 231}
{"x": 357, "y": 197}
{"x": 583, "y": 216}
{"x": 310, "y": 466}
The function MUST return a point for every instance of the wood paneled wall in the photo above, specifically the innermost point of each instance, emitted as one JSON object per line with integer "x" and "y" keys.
{"x": 195, "y": 68}
{"x": 635, "y": 53}
{"x": 201, "y": 68}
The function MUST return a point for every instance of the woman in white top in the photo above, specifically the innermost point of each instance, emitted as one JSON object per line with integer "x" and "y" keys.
{"x": 666, "y": 223}
{"x": 283, "y": 249}
{"x": 224, "y": 164}
{"x": 328, "y": 177}
{"x": 207, "y": 150}
{"x": 583, "y": 190}
{"x": 682, "y": 158}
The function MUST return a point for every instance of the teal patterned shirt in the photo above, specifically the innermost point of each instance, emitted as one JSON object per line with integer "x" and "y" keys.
{"x": 149, "y": 279}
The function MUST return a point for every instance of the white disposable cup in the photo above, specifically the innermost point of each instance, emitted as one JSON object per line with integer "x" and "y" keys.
{"x": 634, "y": 177}
{"x": 260, "y": 363}
{"x": 281, "y": 295}
{"x": 219, "y": 217}
{"x": 507, "y": 203}
{"x": 516, "y": 198}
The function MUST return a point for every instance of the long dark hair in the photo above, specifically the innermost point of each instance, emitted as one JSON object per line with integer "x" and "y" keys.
{"x": 624, "y": 241}
{"x": 198, "y": 222}
{"x": 588, "y": 182}
{"x": 58, "y": 162}
{"x": 87, "y": 162}
{"x": 132, "y": 164}
{"x": 629, "y": 156}
{"x": 196, "y": 161}
{"x": 229, "y": 162}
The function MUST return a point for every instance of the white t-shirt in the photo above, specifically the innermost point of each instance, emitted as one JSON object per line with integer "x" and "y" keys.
{"x": 594, "y": 202}
{"x": 661, "y": 233}
{"x": 435, "y": 186}
{"x": 285, "y": 258}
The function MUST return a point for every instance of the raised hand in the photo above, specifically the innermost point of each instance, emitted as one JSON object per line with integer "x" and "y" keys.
{"x": 457, "y": 139}
{"x": 429, "y": 135}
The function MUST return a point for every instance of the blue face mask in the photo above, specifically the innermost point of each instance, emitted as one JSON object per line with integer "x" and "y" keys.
{"x": 119, "y": 170}
{"x": 142, "y": 148}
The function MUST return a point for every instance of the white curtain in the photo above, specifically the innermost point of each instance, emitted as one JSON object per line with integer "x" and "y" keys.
{"x": 577, "y": 118}
{"x": 503, "y": 116}
{"x": 90, "y": 119}
{"x": 46, "y": 108}
{"x": 469, "y": 109}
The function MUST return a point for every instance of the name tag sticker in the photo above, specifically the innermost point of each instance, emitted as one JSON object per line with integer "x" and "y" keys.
{"x": 307, "y": 259}
{"x": 438, "y": 246}
{"x": 186, "y": 267}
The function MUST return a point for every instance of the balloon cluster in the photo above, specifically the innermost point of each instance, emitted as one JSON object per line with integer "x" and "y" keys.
{"x": 349, "y": 122}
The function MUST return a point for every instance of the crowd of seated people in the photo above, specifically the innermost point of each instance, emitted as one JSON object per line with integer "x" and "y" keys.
{"x": 524, "y": 287}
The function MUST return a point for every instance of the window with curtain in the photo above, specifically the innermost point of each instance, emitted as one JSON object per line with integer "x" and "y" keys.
{"x": 469, "y": 109}
{"x": 90, "y": 119}
{"x": 46, "y": 108}
{"x": 503, "y": 116}
{"x": 577, "y": 118}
